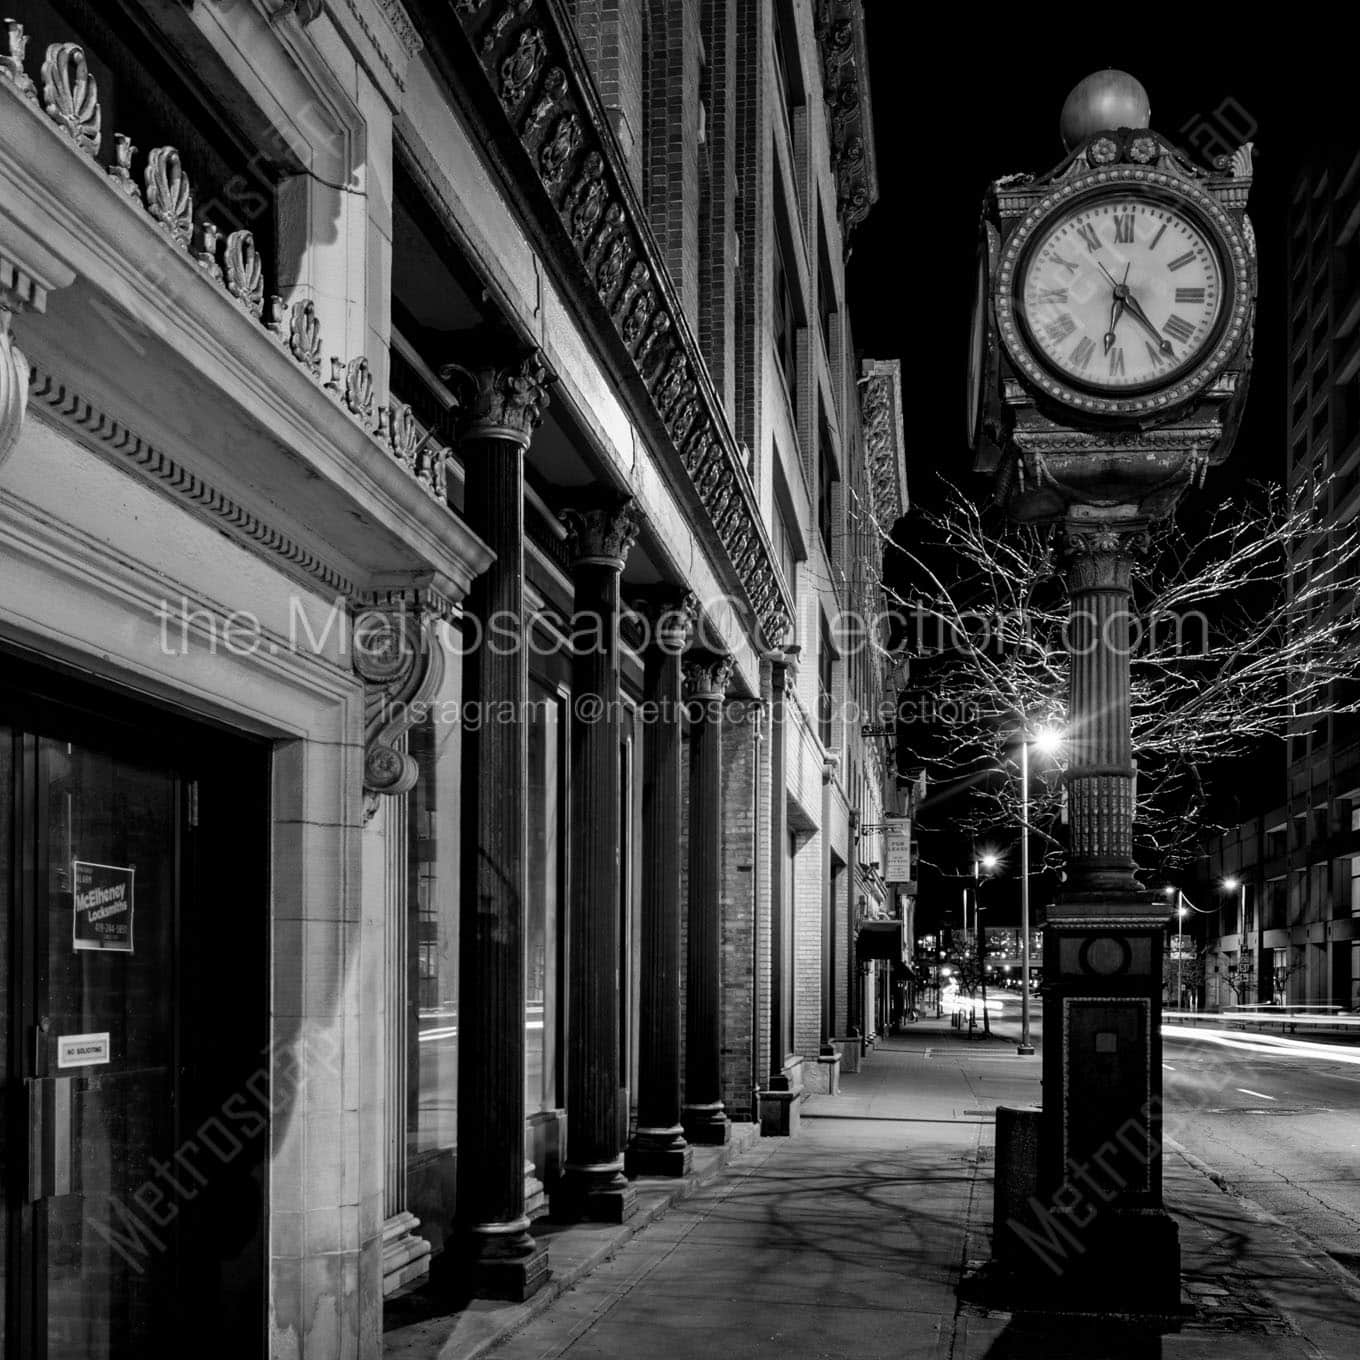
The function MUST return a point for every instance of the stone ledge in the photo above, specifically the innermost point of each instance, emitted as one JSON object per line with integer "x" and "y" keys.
{"x": 573, "y": 1253}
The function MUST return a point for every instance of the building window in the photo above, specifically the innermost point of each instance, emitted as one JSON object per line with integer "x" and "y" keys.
{"x": 782, "y": 541}
{"x": 827, "y": 477}
{"x": 546, "y": 867}
{"x": 826, "y": 689}
{"x": 826, "y": 290}
{"x": 785, "y": 67}
{"x": 785, "y": 318}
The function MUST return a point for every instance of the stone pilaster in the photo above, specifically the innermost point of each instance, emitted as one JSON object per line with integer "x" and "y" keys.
{"x": 593, "y": 1184}
{"x": 501, "y": 408}
{"x": 704, "y": 1117}
{"x": 659, "y": 1147}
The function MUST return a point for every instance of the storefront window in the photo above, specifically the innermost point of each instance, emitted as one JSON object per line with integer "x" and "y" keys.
{"x": 547, "y": 844}
{"x": 432, "y": 942}
{"x": 432, "y": 955}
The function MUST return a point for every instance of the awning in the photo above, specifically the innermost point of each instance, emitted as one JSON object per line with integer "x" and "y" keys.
{"x": 881, "y": 940}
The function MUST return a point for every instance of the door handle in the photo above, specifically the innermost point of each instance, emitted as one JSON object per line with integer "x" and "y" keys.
{"x": 49, "y": 1137}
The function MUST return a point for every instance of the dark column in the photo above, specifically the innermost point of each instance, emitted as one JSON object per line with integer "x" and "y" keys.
{"x": 704, "y": 1119}
{"x": 1101, "y": 1172}
{"x": 594, "y": 1185}
{"x": 501, "y": 407}
{"x": 779, "y": 870}
{"x": 659, "y": 1147}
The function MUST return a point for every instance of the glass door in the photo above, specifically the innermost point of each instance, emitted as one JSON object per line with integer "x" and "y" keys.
{"x": 100, "y": 1090}
{"x": 124, "y": 1035}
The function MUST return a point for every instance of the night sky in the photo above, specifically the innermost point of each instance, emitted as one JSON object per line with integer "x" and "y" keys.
{"x": 959, "y": 104}
{"x": 955, "y": 108}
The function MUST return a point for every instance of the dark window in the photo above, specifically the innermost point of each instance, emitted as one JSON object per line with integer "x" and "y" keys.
{"x": 785, "y": 319}
{"x": 827, "y": 477}
{"x": 785, "y": 65}
{"x": 826, "y": 293}
{"x": 826, "y": 689}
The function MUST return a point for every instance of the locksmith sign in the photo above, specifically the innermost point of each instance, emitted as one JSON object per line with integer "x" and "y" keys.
{"x": 102, "y": 918}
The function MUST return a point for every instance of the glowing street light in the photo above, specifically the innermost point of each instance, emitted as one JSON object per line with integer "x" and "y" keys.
{"x": 1047, "y": 740}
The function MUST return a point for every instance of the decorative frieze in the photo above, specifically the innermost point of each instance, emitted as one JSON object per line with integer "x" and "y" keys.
{"x": 845, "y": 87}
{"x": 884, "y": 438}
{"x": 526, "y": 53}
{"x": 169, "y": 198}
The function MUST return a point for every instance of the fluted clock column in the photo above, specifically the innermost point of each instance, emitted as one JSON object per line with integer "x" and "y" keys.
{"x": 593, "y": 1182}
{"x": 500, "y": 409}
{"x": 704, "y": 1118}
{"x": 1103, "y": 938}
{"x": 1100, "y": 776}
{"x": 659, "y": 1147}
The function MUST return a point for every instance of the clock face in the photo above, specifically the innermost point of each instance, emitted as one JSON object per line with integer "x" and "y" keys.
{"x": 1122, "y": 294}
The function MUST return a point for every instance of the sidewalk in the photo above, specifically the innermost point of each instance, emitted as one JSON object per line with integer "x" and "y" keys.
{"x": 851, "y": 1238}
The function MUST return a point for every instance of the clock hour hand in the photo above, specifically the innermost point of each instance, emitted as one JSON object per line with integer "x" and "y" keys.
{"x": 1116, "y": 311}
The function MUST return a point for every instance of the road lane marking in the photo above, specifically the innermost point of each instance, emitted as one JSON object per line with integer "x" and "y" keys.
{"x": 1260, "y": 1095}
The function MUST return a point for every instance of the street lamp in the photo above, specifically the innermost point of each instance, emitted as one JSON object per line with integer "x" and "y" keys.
{"x": 1178, "y": 944}
{"x": 1239, "y": 886}
{"x": 1046, "y": 741}
{"x": 989, "y": 861}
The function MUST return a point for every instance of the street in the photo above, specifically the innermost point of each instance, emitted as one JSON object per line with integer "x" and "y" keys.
{"x": 1279, "y": 1119}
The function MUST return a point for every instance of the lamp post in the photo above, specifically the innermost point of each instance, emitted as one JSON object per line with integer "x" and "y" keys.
{"x": 1178, "y": 940}
{"x": 1239, "y": 886}
{"x": 989, "y": 862}
{"x": 1046, "y": 741}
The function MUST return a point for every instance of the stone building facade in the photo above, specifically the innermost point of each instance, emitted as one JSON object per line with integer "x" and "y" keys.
{"x": 437, "y": 779}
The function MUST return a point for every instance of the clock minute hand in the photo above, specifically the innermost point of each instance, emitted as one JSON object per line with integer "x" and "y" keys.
{"x": 1136, "y": 311}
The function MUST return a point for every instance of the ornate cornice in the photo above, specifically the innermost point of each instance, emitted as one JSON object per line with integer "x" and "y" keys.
{"x": 884, "y": 438}
{"x": 849, "y": 113}
{"x": 603, "y": 535}
{"x": 533, "y": 92}
{"x": 396, "y": 652}
{"x": 500, "y": 401}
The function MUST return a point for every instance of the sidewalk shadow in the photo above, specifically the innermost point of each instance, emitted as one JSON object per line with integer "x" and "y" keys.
{"x": 1052, "y": 1337}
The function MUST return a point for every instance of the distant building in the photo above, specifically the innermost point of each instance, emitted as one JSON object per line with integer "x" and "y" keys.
{"x": 1292, "y": 932}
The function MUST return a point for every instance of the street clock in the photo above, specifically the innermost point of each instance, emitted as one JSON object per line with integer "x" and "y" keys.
{"x": 1112, "y": 318}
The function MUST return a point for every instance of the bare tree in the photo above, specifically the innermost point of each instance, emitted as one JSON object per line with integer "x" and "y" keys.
{"x": 1244, "y": 627}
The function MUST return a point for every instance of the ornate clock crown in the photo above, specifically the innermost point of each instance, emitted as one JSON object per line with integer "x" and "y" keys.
{"x": 1053, "y": 440}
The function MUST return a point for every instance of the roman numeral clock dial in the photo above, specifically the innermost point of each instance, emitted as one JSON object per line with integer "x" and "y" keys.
{"x": 1121, "y": 295}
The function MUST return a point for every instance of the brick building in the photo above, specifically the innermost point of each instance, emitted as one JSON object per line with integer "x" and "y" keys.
{"x": 437, "y": 781}
{"x": 1290, "y": 932}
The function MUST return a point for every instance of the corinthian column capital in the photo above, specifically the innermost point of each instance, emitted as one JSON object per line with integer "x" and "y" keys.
{"x": 1101, "y": 552}
{"x": 603, "y": 535}
{"x": 500, "y": 401}
{"x": 708, "y": 677}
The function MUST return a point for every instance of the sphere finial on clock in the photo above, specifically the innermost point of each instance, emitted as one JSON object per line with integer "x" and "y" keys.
{"x": 1102, "y": 102}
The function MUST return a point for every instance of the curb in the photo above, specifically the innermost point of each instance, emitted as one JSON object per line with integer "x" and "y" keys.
{"x": 1303, "y": 1247}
